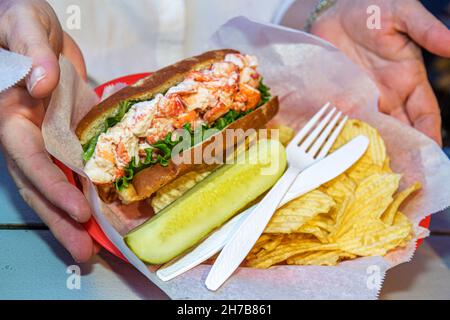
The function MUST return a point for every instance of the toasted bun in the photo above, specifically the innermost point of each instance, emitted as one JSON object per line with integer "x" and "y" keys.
{"x": 150, "y": 180}
{"x": 145, "y": 89}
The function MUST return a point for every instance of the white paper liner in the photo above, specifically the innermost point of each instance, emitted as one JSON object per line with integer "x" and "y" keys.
{"x": 13, "y": 68}
{"x": 305, "y": 72}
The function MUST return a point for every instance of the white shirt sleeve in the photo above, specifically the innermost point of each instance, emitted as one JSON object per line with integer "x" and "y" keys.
{"x": 119, "y": 37}
{"x": 281, "y": 11}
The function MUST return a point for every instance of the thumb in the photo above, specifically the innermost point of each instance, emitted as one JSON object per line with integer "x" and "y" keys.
{"x": 30, "y": 38}
{"x": 44, "y": 75}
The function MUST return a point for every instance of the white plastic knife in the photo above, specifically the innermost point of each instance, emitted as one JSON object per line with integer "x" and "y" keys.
{"x": 310, "y": 179}
{"x": 251, "y": 228}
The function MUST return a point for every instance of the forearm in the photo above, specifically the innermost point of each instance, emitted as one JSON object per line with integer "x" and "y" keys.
{"x": 297, "y": 15}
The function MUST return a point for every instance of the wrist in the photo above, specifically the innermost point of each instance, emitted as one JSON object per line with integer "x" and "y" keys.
{"x": 321, "y": 8}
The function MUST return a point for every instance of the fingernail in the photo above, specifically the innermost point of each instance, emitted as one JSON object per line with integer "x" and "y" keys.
{"x": 37, "y": 74}
{"x": 74, "y": 217}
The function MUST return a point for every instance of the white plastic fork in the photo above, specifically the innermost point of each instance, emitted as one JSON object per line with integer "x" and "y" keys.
{"x": 217, "y": 240}
{"x": 311, "y": 144}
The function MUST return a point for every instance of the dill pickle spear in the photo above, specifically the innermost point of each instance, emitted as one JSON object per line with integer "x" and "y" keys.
{"x": 210, "y": 203}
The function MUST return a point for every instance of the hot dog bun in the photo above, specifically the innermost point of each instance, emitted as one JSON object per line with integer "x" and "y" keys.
{"x": 149, "y": 180}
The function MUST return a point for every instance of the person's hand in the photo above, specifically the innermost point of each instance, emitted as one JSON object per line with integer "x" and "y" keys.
{"x": 391, "y": 55}
{"x": 31, "y": 28}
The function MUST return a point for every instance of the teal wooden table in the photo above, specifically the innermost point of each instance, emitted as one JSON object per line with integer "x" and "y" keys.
{"x": 34, "y": 266}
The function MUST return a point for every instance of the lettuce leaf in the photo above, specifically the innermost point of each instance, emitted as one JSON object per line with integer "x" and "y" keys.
{"x": 160, "y": 153}
{"x": 265, "y": 93}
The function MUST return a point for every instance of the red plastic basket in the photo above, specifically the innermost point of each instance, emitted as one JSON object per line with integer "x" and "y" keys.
{"x": 92, "y": 226}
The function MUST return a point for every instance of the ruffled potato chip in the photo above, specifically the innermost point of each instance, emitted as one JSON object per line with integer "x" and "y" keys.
{"x": 275, "y": 240}
{"x": 267, "y": 242}
{"x": 320, "y": 258}
{"x": 362, "y": 170}
{"x": 320, "y": 227}
{"x": 263, "y": 239}
{"x": 355, "y": 215}
{"x": 389, "y": 216}
{"x": 296, "y": 213}
{"x": 339, "y": 188}
{"x": 319, "y": 233}
{"x": 340, "y": 212}
{"x": 324, "y": 221}
{"x": 402, "y": 221}
{"x": 374, "y": 238}
{"x": 285, "y": 250}
{"x": 372, "y": 197}
{"x": 376, "y": 152}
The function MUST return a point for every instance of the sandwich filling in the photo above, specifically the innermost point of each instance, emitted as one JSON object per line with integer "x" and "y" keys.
{"x": 141, "y": 134}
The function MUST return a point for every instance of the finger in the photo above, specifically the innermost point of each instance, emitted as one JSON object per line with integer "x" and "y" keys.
{"x": 17, "y": 101}
{"x": 401, "y": 115}
{"x": 73, "y": 53}
{"x": 39, "y": 38}
{"x": 424, "y": 28}
{"x": 24, "y": 143}
{"x": 393, "y": 106}
{"x": 69, "y": 233}
{"x": 423, "y": 110}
